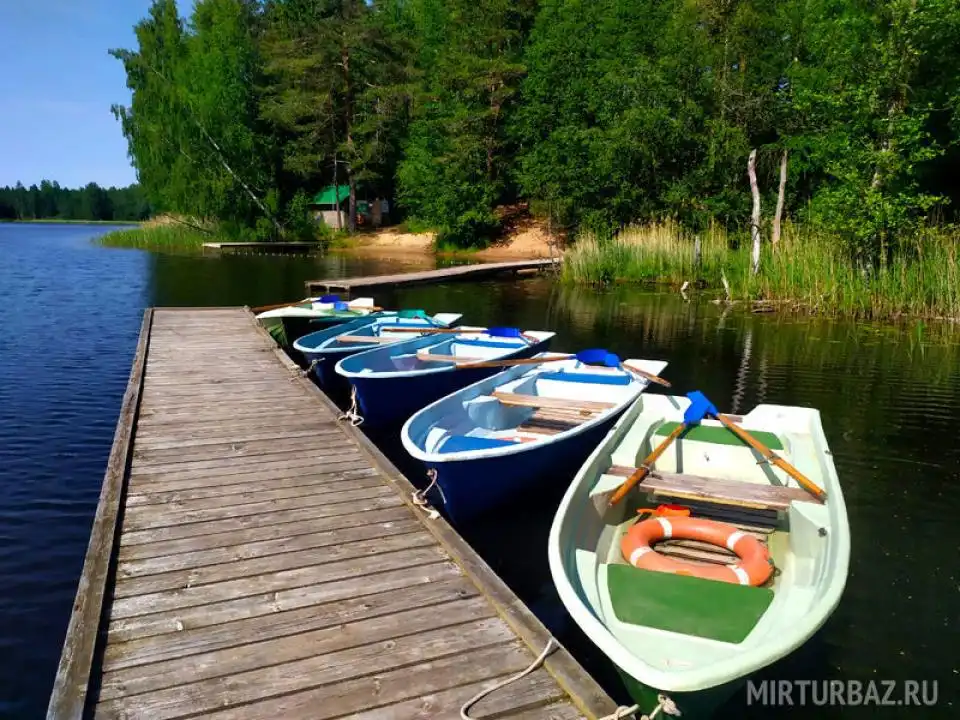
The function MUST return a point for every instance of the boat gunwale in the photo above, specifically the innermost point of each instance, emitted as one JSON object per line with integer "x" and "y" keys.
{"x": 420, "y": 372}
{"x": 364, "y": 321}
{"x": 354, "y": 324}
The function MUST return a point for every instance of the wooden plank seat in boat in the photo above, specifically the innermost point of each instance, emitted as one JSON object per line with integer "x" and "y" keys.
{"x": 695, "y": 551}
{"x": 714, "y": 490}
{"x": 586, "y": 407}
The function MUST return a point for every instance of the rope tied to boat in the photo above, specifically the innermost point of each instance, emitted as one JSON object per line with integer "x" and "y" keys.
{"x": 309, "y": 369}
{"x": 352, "y": 414}
{"x": 664, "y": 705}
{"x": 465, "y": 708}
{"x": 419, "y": 497}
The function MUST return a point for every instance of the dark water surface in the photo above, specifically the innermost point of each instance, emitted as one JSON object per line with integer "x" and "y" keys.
{"x": 889, "y": 399}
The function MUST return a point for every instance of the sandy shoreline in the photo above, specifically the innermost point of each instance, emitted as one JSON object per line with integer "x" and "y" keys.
{"x": 525, "y": 241}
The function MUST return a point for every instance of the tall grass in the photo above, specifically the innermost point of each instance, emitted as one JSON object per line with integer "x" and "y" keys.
{"x": 807, "y": 271}
{"x": 156, "y": 237}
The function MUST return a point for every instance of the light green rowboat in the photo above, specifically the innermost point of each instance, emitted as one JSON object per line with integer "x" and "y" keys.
{"x": 692, "y": 639}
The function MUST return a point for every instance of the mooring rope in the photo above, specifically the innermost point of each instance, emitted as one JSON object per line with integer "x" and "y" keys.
{"x": 664, "y": 705}
{"x": 352, "y": 414}
{"x": 419, "y": 497}
{"x": 465, "y": 709}
{"x": 309, "y": 368}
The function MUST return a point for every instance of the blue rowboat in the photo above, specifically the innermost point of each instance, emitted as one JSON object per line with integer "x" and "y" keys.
{"x": 508, "y": 432}
{"x": 391, "y": 383}
{"x": 324, "y": 348}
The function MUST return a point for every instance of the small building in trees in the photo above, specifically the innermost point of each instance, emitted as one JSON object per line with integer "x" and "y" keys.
{"x": 325, "y": 208}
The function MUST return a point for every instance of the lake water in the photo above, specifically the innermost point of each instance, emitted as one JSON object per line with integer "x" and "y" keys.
{"x": 889, "y": 398}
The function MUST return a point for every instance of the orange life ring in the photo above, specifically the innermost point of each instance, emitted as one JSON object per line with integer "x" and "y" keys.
{"x": 754, "y": 567}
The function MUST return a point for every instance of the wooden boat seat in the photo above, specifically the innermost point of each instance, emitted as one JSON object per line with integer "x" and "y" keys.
{"x": 586, "y": 407}
{"x": 713, "y": 490}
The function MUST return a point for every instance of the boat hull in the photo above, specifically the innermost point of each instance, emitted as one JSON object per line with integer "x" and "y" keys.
{"x": 324, "y": 371}
{"x": 295, "y": 328}
{"x": 386, "y": 401}
{"x": 471, "y": 487}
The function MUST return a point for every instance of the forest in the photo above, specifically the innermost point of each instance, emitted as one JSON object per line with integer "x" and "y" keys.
{"x": 49, "y": 201}
{"x": 601, "y": 115}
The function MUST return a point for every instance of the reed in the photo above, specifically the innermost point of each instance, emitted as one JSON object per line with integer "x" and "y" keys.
{"x": 156, "y": 237}
{"x": 808, "y": 271}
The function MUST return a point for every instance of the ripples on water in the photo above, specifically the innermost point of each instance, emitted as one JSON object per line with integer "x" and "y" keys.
{"x": 71, "y": 317}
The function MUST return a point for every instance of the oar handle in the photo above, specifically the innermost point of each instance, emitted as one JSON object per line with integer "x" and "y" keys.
{"x": 644, "y": 469}
{"x": 649, "y": 376}
{"x": 275, "y": 306}
{"x": 512, "y": 363}
{"x": 451, "y": 331}
{"x": 805, "y": 482}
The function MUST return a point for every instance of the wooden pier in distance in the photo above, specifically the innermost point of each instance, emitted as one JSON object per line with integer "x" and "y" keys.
{"x": 447, "y": 274}
{"x": 252, "y": 558}
{"x": 264, "y": 247}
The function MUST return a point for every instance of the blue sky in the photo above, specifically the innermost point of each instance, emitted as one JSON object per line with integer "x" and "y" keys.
{"x": 56, "y": 87}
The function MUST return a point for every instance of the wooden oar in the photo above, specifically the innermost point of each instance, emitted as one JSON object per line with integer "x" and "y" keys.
{"x": 467, "y": 331}
{"x": 277, "y": 306}
{"x": 644, "y": 468}
{"x": 805, "y": 482}
{"x": 512, "y": 363}
{"x": 452, "y": 331}
{"x": 649, "y": 376}
{"x": 539, "y": 361}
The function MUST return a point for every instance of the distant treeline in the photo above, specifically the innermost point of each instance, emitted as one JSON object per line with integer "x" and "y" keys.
{"x": 599, "y": 113}
{"x": 49, "y": 201}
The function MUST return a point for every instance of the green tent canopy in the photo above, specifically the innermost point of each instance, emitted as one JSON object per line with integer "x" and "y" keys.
{"x": 328, "y": 196}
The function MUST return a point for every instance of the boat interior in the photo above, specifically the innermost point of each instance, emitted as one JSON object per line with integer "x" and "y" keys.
{"x": 713, "y": 474}
{"x": 383, "y": 331}
{"x": 531, "y": 405}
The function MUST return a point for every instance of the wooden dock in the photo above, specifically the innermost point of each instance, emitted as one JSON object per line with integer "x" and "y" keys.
{"x": 264, "y": 247}
{"x": 447, "y": 274}
{"x": 253, "y": 558}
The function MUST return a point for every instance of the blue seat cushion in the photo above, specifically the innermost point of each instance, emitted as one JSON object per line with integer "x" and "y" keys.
{"x": 463, "y": 443}
{"x": 596, "y": 378}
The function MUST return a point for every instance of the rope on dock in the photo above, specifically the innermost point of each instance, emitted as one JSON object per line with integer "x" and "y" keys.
{"x": 465, "y": 709}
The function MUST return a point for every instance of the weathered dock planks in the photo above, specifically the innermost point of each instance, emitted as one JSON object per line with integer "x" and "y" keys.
{"x": 252, "y": 558}
{"x": 448, "y": 274}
